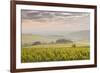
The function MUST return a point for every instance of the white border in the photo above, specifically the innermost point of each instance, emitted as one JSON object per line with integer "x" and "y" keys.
{"x": 20, "y": 65}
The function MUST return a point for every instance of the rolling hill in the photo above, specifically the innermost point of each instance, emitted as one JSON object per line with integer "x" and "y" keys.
{"x": 74, "y": 36}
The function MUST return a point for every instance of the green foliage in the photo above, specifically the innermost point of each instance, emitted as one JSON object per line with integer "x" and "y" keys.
{"x": 42, "y": 53}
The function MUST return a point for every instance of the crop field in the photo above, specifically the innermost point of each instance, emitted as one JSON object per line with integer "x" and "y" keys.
{"x": 54, "y": 52}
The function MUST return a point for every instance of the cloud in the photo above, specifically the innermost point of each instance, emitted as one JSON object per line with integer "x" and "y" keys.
{"x": 49, "y": 15}
{"x": 34, "y": 21}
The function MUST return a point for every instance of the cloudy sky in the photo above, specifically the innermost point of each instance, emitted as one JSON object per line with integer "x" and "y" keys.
{"x": 47, "y": 22}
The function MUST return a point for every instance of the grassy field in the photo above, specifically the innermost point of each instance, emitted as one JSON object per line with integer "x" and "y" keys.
{"x": 54, "y": 52}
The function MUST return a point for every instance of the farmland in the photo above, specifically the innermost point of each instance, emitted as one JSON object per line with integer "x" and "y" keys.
{"x": 54, "y": 52}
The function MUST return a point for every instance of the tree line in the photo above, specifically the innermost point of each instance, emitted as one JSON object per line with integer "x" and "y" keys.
{"x": 59, "y": 41}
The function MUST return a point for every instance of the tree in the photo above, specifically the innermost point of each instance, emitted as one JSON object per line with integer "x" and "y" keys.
{"x": 63, "y": 41}
{"x": 74, "y": 45}
{"x": 36, "y": 43}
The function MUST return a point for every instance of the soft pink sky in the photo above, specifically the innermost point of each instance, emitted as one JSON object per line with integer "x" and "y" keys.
{"x": 53, "y": 22}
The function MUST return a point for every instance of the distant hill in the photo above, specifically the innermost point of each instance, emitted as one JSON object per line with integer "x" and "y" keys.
{"x": 73, "y": 36}
{"x": 79, "y": 35}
